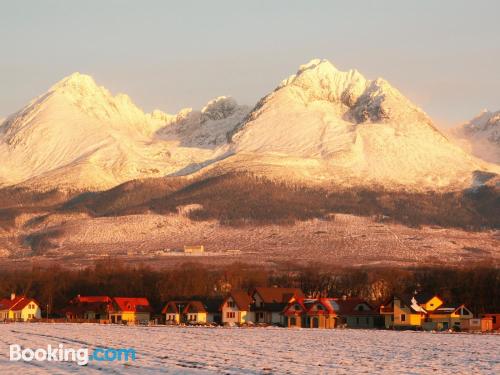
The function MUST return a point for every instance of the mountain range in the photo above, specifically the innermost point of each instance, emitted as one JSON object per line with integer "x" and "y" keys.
{"x": 321, "y": 127}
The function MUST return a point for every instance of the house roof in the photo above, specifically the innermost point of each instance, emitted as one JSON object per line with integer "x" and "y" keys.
{"x": 350, "y": 306}
{"x": 91, "y": 299}
{"x": 172, "y": 307}
{"x": 423, "y": 297}
{"x": 16, "y": 304}
{"x": 194, "y": 307}
{"x": 278, "y": 295}
{"x": 241, "y": 299}
{"x": 129, "y": 304}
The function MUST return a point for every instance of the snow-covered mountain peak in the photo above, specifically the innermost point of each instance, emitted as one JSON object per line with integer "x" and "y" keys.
{"x": 319, "y": 79}
{"x": 77, "y": 82}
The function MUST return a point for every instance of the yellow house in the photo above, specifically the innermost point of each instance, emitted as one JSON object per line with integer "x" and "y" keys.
{"x": 130, "y": 310}
{"x": 172, "y": 311}
{"x": 19, "y": 308}
{"x": 195, "y": 312}
{"x": 446, "y": 317}
{"x": 236, "y": 308}
{"x": 409, "y": 311}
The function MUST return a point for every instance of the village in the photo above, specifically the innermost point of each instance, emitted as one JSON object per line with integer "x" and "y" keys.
{"x": 262, "y": 306}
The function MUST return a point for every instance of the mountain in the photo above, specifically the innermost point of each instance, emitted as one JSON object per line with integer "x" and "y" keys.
{"x": 321, "y": 126}
{"x": 79, "y": 136}
{"x": 481, "y": 136}
{"x": 326, "y": 125}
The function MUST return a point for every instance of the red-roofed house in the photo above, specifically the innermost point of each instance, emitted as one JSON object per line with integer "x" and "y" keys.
{"x": 19, "y": 308}
{"x": 88, "y": 308}
{"x": 330, "y": 313}
{"x": 311, "y": 313}
{"x": 130, "y": 310}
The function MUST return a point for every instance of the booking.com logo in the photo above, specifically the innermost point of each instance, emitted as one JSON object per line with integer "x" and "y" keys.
{"x": 61, "y": 354}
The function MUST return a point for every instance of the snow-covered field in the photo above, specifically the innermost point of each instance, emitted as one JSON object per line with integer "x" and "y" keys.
{"x": 164, "y": 349}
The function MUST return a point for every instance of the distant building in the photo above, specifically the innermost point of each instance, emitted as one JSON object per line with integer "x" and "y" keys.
{"x": 88, "y": 308}
{"x": 269, "y": 302}
{"x": 19, "y": 308}
{"x": 330, "y": 313}
{"x": 130, "y": 310}
{"x": 447, "y": 317}
{"x": 235, "y": 309}
{"x": 198, "y": 249}
{"x": 495, "y": 320}
{"x": 193, "y": 311}
{"x": 310, "y": 313}
{"x": 173, "y": 311}
{"x": 409, "y": 311}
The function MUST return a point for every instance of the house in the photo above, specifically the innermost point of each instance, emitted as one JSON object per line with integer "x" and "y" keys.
{"x": 130, "y": 310}
{"x": 447, "y": 317}
{"x": 235, "y": 309}
{"x": 19, "y": 308}
{"x": 310, "y": 313}
{"x": 409, "y": 311}
{"x": 358, "y": 313}
{"x": 173, "y": 311}
{"x": 269, "y": 303}
{"x": 330, "y": 313}
{"x": 194, "y": 313}
{"x": 88, "y": 308}
{"x": 495, "y": 320}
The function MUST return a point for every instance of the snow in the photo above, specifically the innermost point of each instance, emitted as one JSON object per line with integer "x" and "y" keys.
{"x": 172, "y": 350}
{"x": 481, "y": 136}
{"x": 356, "y": 131}
{"x": 321, "y": 125}
{"x": 79, "y": 136}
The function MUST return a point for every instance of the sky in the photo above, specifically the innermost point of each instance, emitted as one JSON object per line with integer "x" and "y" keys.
{"x": 444, "y": 55}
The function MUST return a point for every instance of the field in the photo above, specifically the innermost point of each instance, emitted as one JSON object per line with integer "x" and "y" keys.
{"x": 164, "y": 349}
{"x": 79, "y": 240}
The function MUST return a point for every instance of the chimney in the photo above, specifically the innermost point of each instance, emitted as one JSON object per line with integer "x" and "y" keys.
{"x": 12, "y": 296}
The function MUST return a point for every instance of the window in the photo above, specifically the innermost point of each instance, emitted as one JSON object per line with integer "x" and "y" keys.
{"x": 403, "y": 317}
{"x": 367, "y": 320}
{"x": 230, "y": 303}
{"x": 230, "y": 314}
{"x": 357, "y": 320}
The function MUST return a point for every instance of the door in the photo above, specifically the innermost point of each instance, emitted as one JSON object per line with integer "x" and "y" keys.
{"x": 315, "y": 322}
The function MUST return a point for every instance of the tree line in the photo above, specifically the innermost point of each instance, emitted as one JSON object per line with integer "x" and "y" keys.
{"x": 477, "y": 286}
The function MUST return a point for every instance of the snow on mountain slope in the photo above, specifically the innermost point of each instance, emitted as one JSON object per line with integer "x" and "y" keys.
{"x": 481, "y": 136}
{"x": 340, "y": 127}
{"x": 209, "y": 127}
{"x": 79, "y": 136}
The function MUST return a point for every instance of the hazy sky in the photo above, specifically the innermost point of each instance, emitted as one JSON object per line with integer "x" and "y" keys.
{"x": 444, "y": 55}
